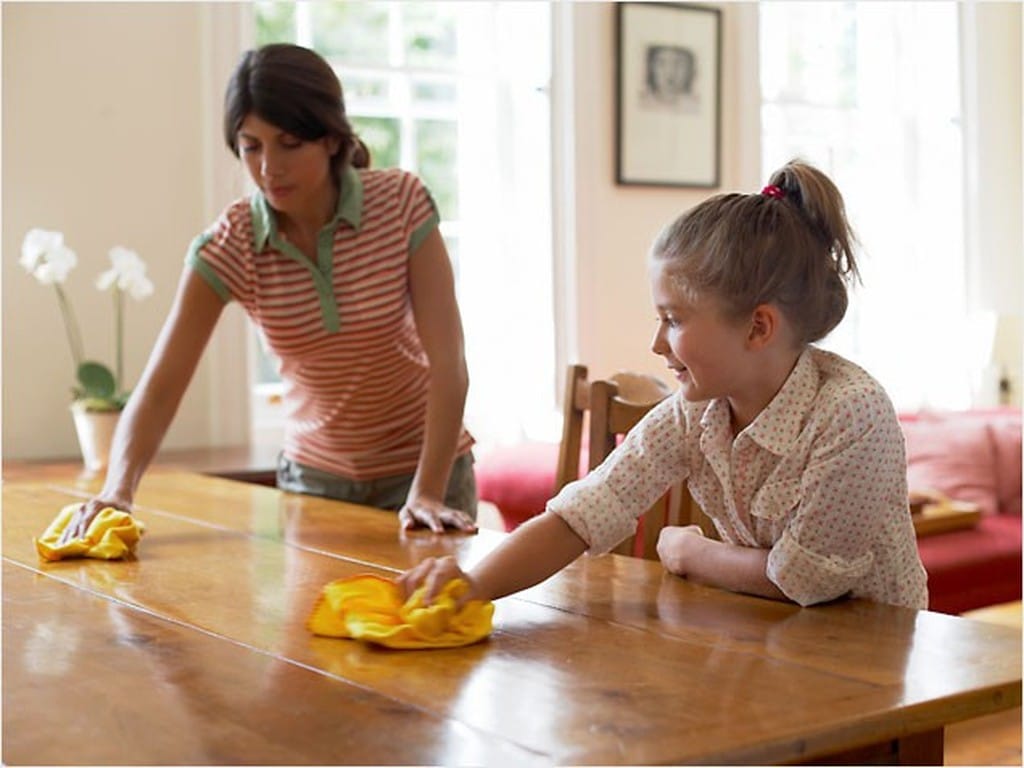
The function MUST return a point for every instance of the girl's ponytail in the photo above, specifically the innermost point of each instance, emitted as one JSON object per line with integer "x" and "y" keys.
{"x": 819, "y": 199}
{"x": 828, "y": 269}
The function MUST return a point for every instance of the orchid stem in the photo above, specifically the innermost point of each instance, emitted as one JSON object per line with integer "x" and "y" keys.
{"x": 119, "y": 336}
{"x": 70, "y": 325}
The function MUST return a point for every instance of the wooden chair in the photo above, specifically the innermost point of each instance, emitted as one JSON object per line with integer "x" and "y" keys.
{"x": 633, "y": 387}
{"x": 613, "y": 413}
{"x": 575, "y": 403}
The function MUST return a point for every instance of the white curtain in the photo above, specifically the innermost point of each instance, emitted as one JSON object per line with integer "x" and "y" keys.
{"x": 869, "y": 92}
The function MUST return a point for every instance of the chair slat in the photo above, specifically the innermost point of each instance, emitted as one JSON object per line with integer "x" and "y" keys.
{"x": 611, "y": 416}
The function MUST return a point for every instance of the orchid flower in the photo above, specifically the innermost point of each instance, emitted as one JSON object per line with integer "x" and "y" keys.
{"x": 128, "y": 271}
{"x": 45, "y": 256}
{"x": 48, "y": 260}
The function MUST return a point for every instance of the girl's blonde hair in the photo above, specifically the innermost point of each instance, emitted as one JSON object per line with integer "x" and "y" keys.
{"x": 789, "y": 245}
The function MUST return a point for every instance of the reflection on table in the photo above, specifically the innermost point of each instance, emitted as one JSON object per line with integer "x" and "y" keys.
{"x": 196, "y": 652}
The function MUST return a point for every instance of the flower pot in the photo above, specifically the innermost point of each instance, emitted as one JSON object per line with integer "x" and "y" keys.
{"x": 95, "y": 434}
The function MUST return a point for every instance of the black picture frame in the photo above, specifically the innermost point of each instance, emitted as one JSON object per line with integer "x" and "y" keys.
{"x": 668, "y": 59}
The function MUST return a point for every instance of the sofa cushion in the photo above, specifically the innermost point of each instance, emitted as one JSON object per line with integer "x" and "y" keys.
{"x": 517, "y": 479}
{"x": 975, "y": 567}
{"x": 1006, "y": 440}
{"x": 954, "y": 455}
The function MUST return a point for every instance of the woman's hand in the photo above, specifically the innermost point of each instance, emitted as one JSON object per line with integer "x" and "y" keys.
{"x": 432, "y": 514}
{"x": 680, "y": 547}
{"x": 79, "y": 522}
{"x": 434, "y": 573}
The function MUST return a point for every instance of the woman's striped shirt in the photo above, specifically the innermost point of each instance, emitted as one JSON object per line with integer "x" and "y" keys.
{"x": 354, "y": 370}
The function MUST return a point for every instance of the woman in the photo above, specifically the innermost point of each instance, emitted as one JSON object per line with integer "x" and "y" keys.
{"x": 346, "y": 275}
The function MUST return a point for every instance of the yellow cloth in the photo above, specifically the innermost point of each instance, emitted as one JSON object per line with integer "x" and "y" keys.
{"x": 370, "y": 608}
{"x": 111, "y": 534}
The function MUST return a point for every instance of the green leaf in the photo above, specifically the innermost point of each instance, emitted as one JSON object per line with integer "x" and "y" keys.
{"x": 96, "y": 380}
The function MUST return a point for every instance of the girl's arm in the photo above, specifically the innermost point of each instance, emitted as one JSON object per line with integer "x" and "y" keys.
{"x": 684, "y": 551}
{"x": 850, "y": 495}
{"x": 432, "y": 290}
{"x": 587, "y": 513}
{"x": 155, "y": 400}
{"x": 537, "y": 549}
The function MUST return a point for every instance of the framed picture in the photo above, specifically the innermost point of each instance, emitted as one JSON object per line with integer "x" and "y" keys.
{"x": 668, "y": 94}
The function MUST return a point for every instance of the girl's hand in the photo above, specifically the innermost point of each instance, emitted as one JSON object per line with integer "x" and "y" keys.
{"x": 434, "y": 515}
{"x": 679, "y": 547}
{"x": 434, "y": 573}
{"x": 79, "y": 522}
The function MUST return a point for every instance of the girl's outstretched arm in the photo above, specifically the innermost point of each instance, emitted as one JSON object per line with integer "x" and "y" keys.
{"x": 538, "y": 549}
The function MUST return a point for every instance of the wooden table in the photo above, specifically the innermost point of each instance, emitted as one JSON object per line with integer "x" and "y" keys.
{"x": 196, "y": 653}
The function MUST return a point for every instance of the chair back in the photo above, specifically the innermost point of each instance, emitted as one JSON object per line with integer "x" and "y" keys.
{"x": 613, "y": 413}
{"x": 632, "y": 387}
{"x": 575, "y": 403}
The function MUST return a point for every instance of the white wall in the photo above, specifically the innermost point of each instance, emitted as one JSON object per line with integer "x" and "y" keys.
{"x": 104, "y": 139}
{"x": 615, "y": 225}
{"x": 991, "y": 36}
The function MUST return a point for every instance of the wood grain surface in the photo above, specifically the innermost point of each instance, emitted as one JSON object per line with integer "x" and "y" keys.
{"x": 196, "y": 651}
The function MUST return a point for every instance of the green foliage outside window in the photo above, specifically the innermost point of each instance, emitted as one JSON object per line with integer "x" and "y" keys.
{"x": 436, "y": 146}
{"x": 381, "y": 136}
{"x": 429, "y": 91}
{"x": 275, "y": 23}
{"x": 351, "y": 32}
{"x": 430, "y": 39}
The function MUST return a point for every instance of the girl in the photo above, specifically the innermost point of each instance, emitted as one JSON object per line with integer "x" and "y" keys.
{"x": 345, "y": 273}
{"x": 794, "y": 452}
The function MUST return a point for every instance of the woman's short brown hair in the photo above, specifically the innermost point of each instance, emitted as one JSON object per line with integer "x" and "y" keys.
{"x": 793, "y": 248}
{"x": 294, "y": 89}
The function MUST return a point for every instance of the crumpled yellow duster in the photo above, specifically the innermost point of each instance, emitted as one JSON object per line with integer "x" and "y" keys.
{"x": 371, "y": 608}
{"x": 111, "y": 534}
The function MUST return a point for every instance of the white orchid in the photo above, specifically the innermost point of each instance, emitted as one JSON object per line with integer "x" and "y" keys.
{"x": 45, "y": 256}
{"x": 128, "y": 272}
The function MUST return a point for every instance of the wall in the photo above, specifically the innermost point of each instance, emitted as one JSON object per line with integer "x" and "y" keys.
{"x": 991, "y": 41}
{"x": 105, "y": 134}
{"x": 615, "y": 225}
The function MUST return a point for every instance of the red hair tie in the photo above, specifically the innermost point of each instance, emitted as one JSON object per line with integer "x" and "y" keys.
{"x": 772, "y": 191}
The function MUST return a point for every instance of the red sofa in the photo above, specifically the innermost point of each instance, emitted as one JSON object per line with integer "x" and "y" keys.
{"x": 971, "y": 456}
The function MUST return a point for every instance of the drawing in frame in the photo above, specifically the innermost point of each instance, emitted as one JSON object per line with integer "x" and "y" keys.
{"x": 668, "y": 94}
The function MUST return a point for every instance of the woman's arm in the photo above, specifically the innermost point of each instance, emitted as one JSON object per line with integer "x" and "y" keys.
{"x": 432, "y": 289}
{"x": 155, "y": 400}
{"x": 537, "y": 549}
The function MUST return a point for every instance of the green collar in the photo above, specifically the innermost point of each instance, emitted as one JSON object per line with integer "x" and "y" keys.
{"x": 350, "y": 209}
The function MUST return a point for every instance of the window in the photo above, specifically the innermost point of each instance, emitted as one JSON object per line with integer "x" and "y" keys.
{"x": 870, "y": 93}
{"x": 457, "y": 93}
